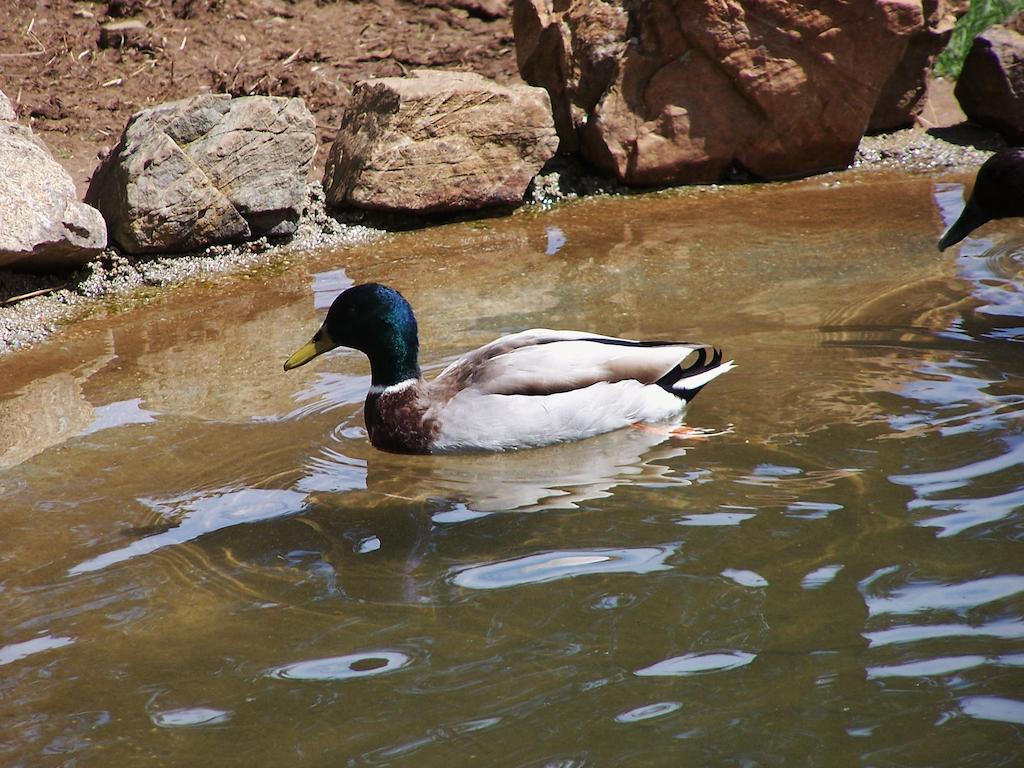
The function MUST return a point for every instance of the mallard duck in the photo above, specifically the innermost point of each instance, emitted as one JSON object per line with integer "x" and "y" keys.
{"x": 524, "y": 390}
{"x": 998, "y": 194}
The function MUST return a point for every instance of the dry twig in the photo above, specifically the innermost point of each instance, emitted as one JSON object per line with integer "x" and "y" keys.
{"x": 29, "y": 295}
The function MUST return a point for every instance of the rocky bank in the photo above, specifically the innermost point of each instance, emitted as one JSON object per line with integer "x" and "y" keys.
{"x": 662, "y": 93}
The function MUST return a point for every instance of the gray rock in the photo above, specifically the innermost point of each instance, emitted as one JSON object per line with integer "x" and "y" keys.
{"x": 438, "y": 142}
{"x": 206, "y": 170}
{"x": 42, "y": 223}
{"x": 990, "y": 88}
{"x": 259, "y": 156}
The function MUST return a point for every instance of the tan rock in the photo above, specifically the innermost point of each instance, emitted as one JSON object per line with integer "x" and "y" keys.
{"x": 674, "y": 91}
{"x": 438, "y": 141}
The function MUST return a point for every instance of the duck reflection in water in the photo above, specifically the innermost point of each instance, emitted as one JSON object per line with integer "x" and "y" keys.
{"x": 366, "y": 537}
{"x": 376, "y": 538}
{"x": 557, "y": 477}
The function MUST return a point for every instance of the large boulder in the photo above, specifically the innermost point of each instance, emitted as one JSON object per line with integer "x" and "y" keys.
{"x": 904, "y": 94}
{"x": 671, "y": 91}
{"x": 42, "y": 223}
{"x": 206, "y": 170}
{"x": 990, "y": 88}
{"x": 437, "y": 142}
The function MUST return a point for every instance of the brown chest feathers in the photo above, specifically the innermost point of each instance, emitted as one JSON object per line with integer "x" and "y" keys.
{"x": 396, "y": 421}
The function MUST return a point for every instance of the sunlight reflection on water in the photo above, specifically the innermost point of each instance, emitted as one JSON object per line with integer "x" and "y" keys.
{"x": 697, "y": 663}
{"x": 648, "y": 712}
{"x": 954, "y": 596}
{"x": 551, "y": 566}
{"x": 200, "y": 515}
{"x": 190, "y": 717}
{"x": 993, "y": 708}
{"x": 18, "y": 651}
{"x": 348, "y": 667}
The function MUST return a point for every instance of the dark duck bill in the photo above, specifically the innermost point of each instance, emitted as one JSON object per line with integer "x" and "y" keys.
{"x": 998, "y": 194}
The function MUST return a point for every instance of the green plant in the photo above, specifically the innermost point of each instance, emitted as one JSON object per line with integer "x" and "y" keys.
{"x": 982, "y": 15}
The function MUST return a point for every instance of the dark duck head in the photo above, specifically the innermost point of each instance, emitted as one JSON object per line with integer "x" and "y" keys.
{"x": 376, "y": 320}
{"x": 998, "y": 194}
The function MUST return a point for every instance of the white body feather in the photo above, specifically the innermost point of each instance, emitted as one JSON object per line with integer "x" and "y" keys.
{"x": 541, "y": 387}
{"x": 472, "y": 421}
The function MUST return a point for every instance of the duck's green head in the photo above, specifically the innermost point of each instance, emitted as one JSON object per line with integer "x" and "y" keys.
{"x": 376, "y": 320}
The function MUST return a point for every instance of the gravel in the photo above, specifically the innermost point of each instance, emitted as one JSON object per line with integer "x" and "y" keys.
{"x": 916, "y": 151}
{"x": 25, "y": 321}
{"x": 112, "y": 273}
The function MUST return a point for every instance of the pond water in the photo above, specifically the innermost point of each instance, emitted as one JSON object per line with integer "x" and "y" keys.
{"x": 204, "y": 562}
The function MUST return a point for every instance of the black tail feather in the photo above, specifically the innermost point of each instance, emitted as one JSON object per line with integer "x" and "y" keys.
{"x": 669, "y": 381}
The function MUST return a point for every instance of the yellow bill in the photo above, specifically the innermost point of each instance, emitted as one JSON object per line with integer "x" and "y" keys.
{"x": 319, "y": 344}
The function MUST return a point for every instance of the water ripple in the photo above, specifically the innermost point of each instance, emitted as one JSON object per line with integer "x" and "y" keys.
{"x": 937, "y": 667}
{"x": 190, "y": 717}
{"x": 1006, "y": 630}
{"x": 202, "y": 515}
{"x": 18, "y": 651}
{"x": 347, "y": 667}
{"x": 745, "y": 578}
{"x": 932, "y": 596}
{"x": 563, "y": 564}
{"x": 927, "y": 483}
{"x": 715, "y": 518}
{"x": 328, "y": 392}
{"x": 811, "y": 510}
{"x": 970, "y": 513}
{"x": 648, "y": 712}
{"x": 696, "y": 663}
{"x": 327, "y": 285}
{"x": 993, "y": 708}
{"x": 820, "y": 577}
{"x": 119, "y": 414}
{"x": 928, "y": 667}
{"x": 998, "y": 283}
{"x": 333, "y": 471}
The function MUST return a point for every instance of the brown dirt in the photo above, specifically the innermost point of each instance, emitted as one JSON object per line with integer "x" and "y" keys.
{"x": 78, "y": 96}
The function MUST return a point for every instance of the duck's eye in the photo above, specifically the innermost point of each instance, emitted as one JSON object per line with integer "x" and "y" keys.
{"x": 317, "y": 336}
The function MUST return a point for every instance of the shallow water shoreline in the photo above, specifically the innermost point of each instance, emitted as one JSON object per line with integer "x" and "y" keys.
{"x": 34, "y": 306}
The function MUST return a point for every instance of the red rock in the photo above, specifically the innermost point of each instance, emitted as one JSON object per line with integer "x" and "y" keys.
{"x": 904, "y": 94}
{"x": 673, "y": 91}
{"x": 991, "y": 84}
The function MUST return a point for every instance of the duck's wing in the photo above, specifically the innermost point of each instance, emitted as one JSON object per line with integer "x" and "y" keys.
{"x": 545, "y": 362}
